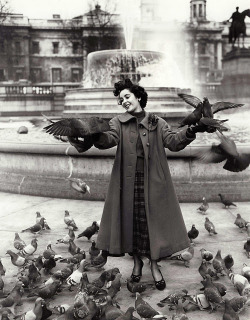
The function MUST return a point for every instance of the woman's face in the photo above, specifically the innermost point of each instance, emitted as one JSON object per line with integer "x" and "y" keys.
{"x": 129, "y": 101}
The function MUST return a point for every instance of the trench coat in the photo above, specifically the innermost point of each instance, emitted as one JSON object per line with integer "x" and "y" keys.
{"x": 167, "y": 231}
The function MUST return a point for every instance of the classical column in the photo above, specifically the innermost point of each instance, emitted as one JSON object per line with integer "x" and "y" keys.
{"x": 219, "y": 55}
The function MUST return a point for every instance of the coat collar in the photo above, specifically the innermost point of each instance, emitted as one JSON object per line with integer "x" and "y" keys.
{"x": 126, "y": 117}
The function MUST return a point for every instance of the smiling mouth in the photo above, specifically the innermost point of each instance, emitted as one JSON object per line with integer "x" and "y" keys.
{"x": 126, "y": 105}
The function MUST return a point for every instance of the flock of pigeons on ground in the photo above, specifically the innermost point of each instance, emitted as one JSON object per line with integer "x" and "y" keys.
{"x": 45, "y": 275}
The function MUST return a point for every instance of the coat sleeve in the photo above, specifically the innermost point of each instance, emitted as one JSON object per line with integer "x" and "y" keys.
{"x": 175, "y": 141}
{"x": 109, "y": 138}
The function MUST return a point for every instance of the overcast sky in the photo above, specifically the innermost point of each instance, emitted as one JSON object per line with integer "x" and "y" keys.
{"x": 217, "y": 10}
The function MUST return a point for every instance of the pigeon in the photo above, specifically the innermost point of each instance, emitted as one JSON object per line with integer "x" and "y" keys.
{"x": 36, "y": 228}
{"x": 240, "y": 222}
{"x": 209, "y": 226}
{"x": 240, "y": 283}
{"x": 49, "y": 252}
{"x": 185, "y": 256}
{"x": 16, "y": 259}
{"x": 29, "y": 249}
{"x": 204, "y": 206}
{"x": 93, "y": 250}
{"x": 204, "y": 270}
{"x": 67, "y": 271}
{"x": 228, "y": 261}
{"x": 245, "y": 271}
{"x": 238, "y": 303}
{"x": 248, "y": 229}
{"x": 73, "y": 127}
{"x": 49, "y": 264}
{"x": 100, "y": 281}
{"x": 1, "y": 286}
{"x": 213, "y": 124}
{"x": 2, "y": 268}
{"x": 33, "y": 273}
{"x": 79, "y": 185}
{"x": 46, "y": 291}
{"x": 128, "y": 314}
{"x": 69, "y": 221}
{"x": 229, "y": 313}
{"x": 115, "y": 286}
{"x": 19, "y": 244}
{"x": 134, "y": 287}
{"x": 227, "y": 203}
{"x": 14, "y": 297}
{"x": 38, "y": 219}
{"x": 39, "y": 262}
{"x": 99, "y": 261}
{"x": 218, "y": 263}
{"x": 193, "y": 117}
{"x": 226, "y": 150}
{"x": 143, "y": 308}
{"x": 193, "y": 233}
{"x": 206, "y": 255}
{"x": 89, "y": 231}
{"x": 73, "y": 248}
{"x": 67, "y": 237}
{"x": 211, "y": 293}
{"x": 76, "y": 276}
{"x": 179, "y": 313}
{"x": 247, "y": 247}
{"x": 216, "y": 107}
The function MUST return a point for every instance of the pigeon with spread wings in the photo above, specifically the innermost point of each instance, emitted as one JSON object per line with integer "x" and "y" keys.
{"x": 226, "y": 150}
{"x": 216, "y": 107}
{"x": 77, "y": 128}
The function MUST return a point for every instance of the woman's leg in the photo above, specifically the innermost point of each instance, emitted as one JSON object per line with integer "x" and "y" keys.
{"x": 157, "y": 275}
{"x": 137, "y": 270}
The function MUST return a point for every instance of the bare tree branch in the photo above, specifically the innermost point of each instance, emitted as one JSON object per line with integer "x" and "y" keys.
{"x": 4, "y": 10}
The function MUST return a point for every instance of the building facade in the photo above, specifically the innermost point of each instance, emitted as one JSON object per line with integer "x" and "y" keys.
{"x": 54, "y": 51}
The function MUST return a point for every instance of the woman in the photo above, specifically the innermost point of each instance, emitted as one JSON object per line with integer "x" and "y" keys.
{"x": 141, "y": 214}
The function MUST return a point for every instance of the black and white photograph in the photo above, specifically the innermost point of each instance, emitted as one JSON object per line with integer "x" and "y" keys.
{"x": 124, "y": 159}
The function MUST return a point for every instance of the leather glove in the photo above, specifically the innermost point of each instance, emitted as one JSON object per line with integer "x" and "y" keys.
{"x": 200, "y": 128}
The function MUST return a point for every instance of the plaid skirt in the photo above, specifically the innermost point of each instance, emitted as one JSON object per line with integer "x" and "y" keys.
{"x": 141, "y": 245}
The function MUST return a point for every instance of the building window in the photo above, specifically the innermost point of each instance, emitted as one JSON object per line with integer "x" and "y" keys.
{"x": 18, "y": 47}
{"x": 202, "y": 48}
{"x": 55, "y": 47}
{"x": 36, "y": 75}
{"x": 194, "y": 10}
{"x": 200, "y": 10}
{"x": 76, "y": 47}
{"x": 76, "y": 75}
{"x": 56, "y": 75}
{"x": 2, "y": 46}
{"x": 2, "y": 78}
{"x": 19, "y": 74}
{"x": 35, "y": 47}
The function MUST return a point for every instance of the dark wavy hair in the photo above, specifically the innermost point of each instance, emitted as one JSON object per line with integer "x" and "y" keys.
{"x": 137, "y": 90}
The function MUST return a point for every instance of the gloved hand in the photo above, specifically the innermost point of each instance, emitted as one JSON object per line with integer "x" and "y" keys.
{"x": 200, "y": 128}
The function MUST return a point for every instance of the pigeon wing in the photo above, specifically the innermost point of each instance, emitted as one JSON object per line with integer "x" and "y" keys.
{"x": 214, "y": 155}
{"x": 221, "y": 105}
{"x": 188, "y": 98}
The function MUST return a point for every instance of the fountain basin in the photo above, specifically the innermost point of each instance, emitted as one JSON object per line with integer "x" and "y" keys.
{"x": 43, "y": 169}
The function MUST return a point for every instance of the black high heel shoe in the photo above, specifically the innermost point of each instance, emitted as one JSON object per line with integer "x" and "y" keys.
{"x": 161, "y": 284}
{"x": 137, "y": 278}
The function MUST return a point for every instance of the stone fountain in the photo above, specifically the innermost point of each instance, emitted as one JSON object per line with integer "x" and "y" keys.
{"x": 106, "y": 67}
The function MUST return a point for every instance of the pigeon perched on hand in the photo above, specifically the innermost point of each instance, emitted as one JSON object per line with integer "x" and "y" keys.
{"x": 185, "y": 256}
{"x": 204, "y": 206}
{"x": 209, "y": 226}
{"x": 79, "y": 185}
{"x": 193, "y": 117}
{"x": 227, "y": 202}
{"x": 226, "y": 150}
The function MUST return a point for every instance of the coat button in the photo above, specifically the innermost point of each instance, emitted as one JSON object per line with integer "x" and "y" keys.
{"x": 144, "y": 133}
{"x": 147, "y": 144}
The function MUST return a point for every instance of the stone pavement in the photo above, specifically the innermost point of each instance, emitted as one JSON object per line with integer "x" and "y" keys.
{"x": 17, "y": 212}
